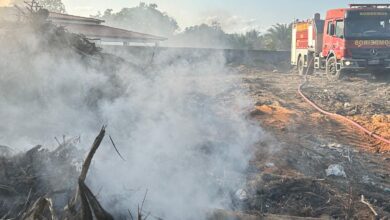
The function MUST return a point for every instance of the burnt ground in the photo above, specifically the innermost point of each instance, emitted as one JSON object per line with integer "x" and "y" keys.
{"x": 288, "y": 176}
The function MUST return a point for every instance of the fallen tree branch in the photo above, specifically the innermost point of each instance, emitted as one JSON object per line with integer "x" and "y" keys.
{"x": 85, "y": 167}
{"x": 369, "y": 205}
{"x": 88, "y": 159}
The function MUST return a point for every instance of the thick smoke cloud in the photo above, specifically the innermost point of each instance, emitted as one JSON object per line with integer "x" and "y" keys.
{"x": 179, "y": 123}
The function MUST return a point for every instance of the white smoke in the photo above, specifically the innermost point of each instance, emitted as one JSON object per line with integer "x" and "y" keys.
{"x": 231, "y": 23}
{"x": 180, "y": 124}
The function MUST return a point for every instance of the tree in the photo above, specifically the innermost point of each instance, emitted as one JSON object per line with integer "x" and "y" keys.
{"x": 278, "y": 37}
{"x": 203, "y": 35}
{"x": 213, "y": 36}
{"x": 251, "y": 40}
{"x": 53, "y": 5}
{"x": 107, "y": 13}
{"x": 154, "y": 6}
{"x": 146, "y": 18}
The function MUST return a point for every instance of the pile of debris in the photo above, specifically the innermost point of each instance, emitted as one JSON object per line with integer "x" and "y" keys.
{"x": 36, "y": 17}
{"x": 42, "y": 184}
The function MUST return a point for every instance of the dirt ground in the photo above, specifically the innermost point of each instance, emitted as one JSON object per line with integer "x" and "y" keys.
{"x": 288, "y": 176}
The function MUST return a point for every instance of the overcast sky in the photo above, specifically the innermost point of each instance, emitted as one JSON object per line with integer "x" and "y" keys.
{"x": 236, "y": 15}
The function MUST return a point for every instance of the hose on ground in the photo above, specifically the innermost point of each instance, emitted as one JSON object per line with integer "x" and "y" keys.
{"x": 334, "y": 115}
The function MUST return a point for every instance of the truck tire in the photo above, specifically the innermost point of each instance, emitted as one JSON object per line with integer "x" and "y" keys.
{"x": 331, "y": 69}
{"x": 301, "y": 67}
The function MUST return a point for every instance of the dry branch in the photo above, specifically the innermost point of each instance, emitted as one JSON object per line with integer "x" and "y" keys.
{"x": 88, "y": 159}
{"x": 369, "y": 205}
{"x": 85, "y": 209}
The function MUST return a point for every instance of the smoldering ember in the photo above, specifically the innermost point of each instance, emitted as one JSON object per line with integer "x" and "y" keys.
{"x": 125, "y": 115}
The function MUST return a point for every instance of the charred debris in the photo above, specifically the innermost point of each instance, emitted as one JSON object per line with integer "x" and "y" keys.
{"x": 30, "y": 189}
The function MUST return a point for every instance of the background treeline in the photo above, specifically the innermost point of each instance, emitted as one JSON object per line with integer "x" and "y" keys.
{"x": 147, "y": 18}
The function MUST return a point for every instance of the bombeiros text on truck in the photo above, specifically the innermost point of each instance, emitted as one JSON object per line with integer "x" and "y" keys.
{"x": 349, "y": 40}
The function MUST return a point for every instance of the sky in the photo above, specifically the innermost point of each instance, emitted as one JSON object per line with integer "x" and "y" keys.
{"x": 235, "y": 15}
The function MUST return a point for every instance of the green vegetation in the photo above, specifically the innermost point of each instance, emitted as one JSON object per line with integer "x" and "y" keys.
{"x": 147, "y": 18}
{"x": 53, "y": 5}
{"x": 278, "y": 37}
{"x": 144, "y": 18}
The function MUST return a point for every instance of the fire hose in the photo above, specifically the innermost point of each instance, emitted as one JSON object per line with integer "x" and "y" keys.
{"x": 335, "y": 115}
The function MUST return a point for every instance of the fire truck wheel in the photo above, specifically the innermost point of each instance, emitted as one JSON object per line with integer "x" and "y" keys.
{"x": 301, "y": 68}
{"x": 331, "y": 69}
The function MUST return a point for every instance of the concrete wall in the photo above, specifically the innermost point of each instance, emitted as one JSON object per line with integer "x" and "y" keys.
{"x": 260, "y": 58}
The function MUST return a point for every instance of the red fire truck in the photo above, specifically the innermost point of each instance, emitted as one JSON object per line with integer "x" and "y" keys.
{"x": 349, "y": 40}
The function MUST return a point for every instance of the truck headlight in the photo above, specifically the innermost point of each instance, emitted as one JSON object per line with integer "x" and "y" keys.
{"x": 350, "y": 63}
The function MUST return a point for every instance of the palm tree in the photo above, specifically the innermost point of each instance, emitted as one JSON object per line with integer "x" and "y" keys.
{"x": 278, "y": 37}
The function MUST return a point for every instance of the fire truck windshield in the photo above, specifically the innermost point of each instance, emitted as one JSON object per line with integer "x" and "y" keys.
{"x": 367, "y": 27}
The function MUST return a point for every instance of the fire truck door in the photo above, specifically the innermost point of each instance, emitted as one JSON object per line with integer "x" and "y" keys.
{"x": 328, "y": 37}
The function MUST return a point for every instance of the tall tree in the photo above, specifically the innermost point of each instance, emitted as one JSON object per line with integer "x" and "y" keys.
{"x": 278, "y": 37}
{"x": 251, "y": 40}
{"x": 53, "y": 5}
{"x": 146, "y": 18}
{"x": 205, "y": 36}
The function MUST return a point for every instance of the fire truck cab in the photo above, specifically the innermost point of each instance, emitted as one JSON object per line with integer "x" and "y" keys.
{"x": 349, "y": 40}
